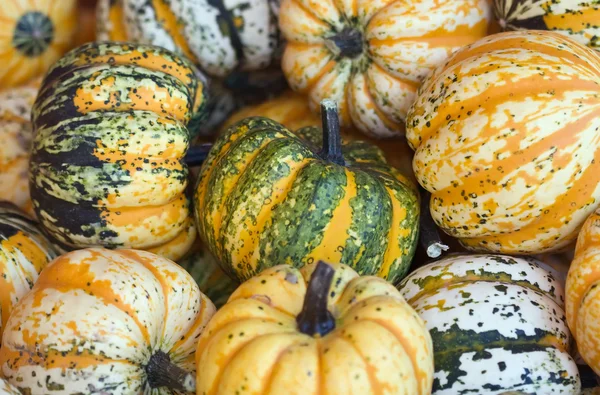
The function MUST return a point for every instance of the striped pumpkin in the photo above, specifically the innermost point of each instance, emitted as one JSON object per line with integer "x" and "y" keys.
{"x": 497, "y": 325}
{"x": 34, "y": 35}
{"x": 106, "y": 322}
{"x": 267, "y": 196}
{"x": 370, "y": 56}
{"x": 582, "y": 292}
{"x": 24, "y": 252}
{"x": 506, "y": 141}
{"x": 110, "y": 135}
{"x": 578, "y": 19}
{"x": 316, "y": 331}
{"x": 211, "y": 279}
{"x": 16, "y": 136}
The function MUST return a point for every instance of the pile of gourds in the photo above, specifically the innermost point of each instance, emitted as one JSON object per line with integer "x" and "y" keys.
{"x": 299, "y": 196}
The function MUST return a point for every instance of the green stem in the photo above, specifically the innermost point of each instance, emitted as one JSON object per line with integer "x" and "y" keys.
{"x": 332, "y": 139}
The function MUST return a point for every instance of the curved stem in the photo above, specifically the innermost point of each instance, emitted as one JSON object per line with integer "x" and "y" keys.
{"x": 332, "y": 139}
{"x": 429, "y": 235}
{"x": 315, "y": 319}
{"x": 161, "y": 372}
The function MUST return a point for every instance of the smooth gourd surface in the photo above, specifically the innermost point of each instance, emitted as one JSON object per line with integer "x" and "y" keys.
{"x": 506, "y": 139}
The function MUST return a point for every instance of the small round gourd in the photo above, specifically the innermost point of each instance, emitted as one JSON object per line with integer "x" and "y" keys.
{"x": 371, "y": 56}
{"x": 267, "y": 196}
{"x": 34, "y": 35}
{"x": 506, "y": 142}
{"x": 317, "y": 330}
{"x": 107, "y": 163}
{"x": 104, "y": 321}
{"x": 497, "y": 324}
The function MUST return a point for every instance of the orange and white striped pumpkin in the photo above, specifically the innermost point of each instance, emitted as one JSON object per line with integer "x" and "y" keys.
{"x": 506, "y": 139}
{"x": 106, "y": 322}
{"x": 371, "y": 56}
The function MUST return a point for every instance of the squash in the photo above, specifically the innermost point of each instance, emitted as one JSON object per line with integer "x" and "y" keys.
{"x": 266, "y": 196}
{"x": 24, "y": 252}
{"x": 497, "y": 325}
{"x": 369, "y": 56}
{"x": 319, "y": 330}
{"x": 506, "y": 142}
{"x": 582, "y": 295}
{"x": 111, "y": 322}
{"x": 15, "y": 129}
{"x": 8, "y": 389}
{"x": 577, "y": 19}
{"x": 211, "y": 279}
{"x": 110, "y": 136}
{"x": 34, "y": 35}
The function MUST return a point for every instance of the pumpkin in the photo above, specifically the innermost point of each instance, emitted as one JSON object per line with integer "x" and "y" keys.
{"x": 506, "y": 142}
{"x": 318, "y": 330}
{"x": 578, "y": 19}
{"x": 371, "y": 56}
{"x": 24, "y": 252}
{"x": 266, "y": 196}
{"x": 211, "y": 279}
{"x": 34, "y": 35}
{"x": 103, "y": 321}
{"x": 110, "y": 136}
{"x": 15, "y": 129}
{"x": 497, "y": 325}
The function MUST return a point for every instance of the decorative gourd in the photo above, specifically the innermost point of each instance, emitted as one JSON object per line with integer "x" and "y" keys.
{"x": 110, "y": 136}
{"x": 371, "y": 56}
{"x": 266, "y": 196}
{"x": 336, "y": 333}
{"x": 578, "y": 19}
{"x": 106, "y": 322}
{"x": 34, "y": 35}
{"x": 497, "y": 325}
{"x": 16, "y": 135}
{"x": 211, "y": 279}
{"x": 7, "y": 389}
{"x": 582, "y": 293}
{"x": 506, "y": 142}
{"x": 24, "y": 252}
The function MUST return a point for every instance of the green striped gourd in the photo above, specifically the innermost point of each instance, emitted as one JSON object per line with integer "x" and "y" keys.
{"x": 110, "y": 136}
{"x": 497, "y": 323}
{"x": 266, "y": 196}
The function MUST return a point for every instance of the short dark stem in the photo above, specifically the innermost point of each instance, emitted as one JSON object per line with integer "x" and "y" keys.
{"x": 196, "y": 155}
{"x": 348, "y": 43}
{"x": 332, "y": 139}
{"x": 161, "y": 372}
{"x": 315, "y": 319}
{"x": 429, "y": 235}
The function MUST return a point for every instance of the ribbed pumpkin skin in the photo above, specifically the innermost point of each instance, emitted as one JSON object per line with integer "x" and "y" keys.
{"x": 399, "y": 43}
{"x": 497, "y": 325}
{"x": 24, "y": 252}
{"x": 577, "y": 19}
{"x": 379, "y": 344}
{"x": 506, "y": 141}
{"x": 34, "y": 35}
{"x": 264, "y": 197}
{"x": 16, "y": 136}
{"x": 94, "y": 319}
{"x": 582, "y": 293}
{"x": 110, "y": 136}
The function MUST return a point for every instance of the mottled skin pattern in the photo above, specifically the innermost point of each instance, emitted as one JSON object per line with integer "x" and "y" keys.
{"x": 16, "y": 136}
{"x": 578, "y": 19}
{"x": 265, "y": 197}
{"x": 397, "y": 43}
{"x": 35, "y": 33}
{"x": 497, "y": 324}
{"x": 24, "y": 252}
{"x": 110, "y": 136}
{"x": 94, "y": 319}
{"x": 506, "y": 139}
{"x": 582, "y": 298}
{"x": 252, "y": 345}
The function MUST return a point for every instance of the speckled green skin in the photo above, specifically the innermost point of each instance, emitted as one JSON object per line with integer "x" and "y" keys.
{"x": 265, "y": 196}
